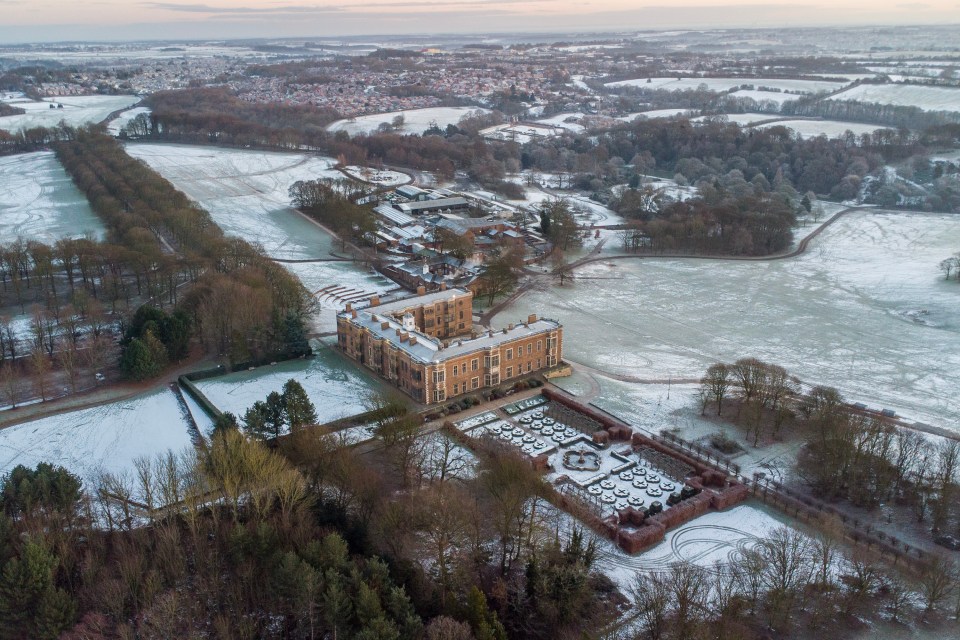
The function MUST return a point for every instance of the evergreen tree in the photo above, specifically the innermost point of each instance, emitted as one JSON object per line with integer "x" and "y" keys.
{"x": 30, "y": 604}
{"x": 276, "y": 413}
{"x": 299, "y": 409}
{"x": 255, "y": 420}
{"x": 225, "y": 421}
{"x": 295, "y": 335}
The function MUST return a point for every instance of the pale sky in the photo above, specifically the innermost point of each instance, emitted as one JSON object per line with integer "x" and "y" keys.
{"x": 28, "y": 20}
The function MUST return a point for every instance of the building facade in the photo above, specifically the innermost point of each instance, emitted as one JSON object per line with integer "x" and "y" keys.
{"x": 432, "y": 370}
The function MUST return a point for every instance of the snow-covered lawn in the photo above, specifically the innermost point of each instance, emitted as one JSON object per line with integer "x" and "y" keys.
{"x": 765, "y": 96}
{"x": 106, "y": 438}
{"x": 829, "y": 128}
{"x": 117, "y": 124}
{"x": 246, "y": 192}
{"x": 656, "y": 113}
{"x": 865, "y": 309}
{"x": 39, "y": 202}
{"x": 725, "y": 84}
{"x": 333, "y": 284}
{"x": 382, "y": 177}
{"x": 416, "y": 121}
{"x": 907, "y": 95}
{"x": 337, "y": 388}
{"x": 77, "y": 110}
{"x": 569, "y": 121}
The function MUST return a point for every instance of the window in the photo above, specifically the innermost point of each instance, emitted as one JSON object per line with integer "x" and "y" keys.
{"x": 455, "y": 371}
{"x": 462, "y": 326}
{"x": 456, "y": 388}
{"x": 439, "y": 376}
{"x": 539, "y": 363}
{"x": 461, "y": 316}
{"x": 539, "y": 346}
{"x": 509, "y": 372}
{"x": 428, "y": 323}
{"x": 529, "y": 367}
{"x": 475, "y": 383}
{"x": 439, "y": 395}
{"x": 509, "y": 355}
{"x": 529, "y": 348}
{"x": 475, "y": 364}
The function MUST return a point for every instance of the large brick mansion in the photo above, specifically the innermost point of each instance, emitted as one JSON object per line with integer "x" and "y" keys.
{"x": 427, "y": 345}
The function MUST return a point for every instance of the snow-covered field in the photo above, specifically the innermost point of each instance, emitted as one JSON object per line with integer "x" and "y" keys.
{"x": 246, "y": 192}
{"x": 39, "y": 202}
{"x": 829, "y": 128}
{"x": 416, "y": 121}
{"x": 77, "y": 110}
{"x": 656, "y": 113}
{"x": 764, "y": 96}
{"x": 570, "y": 121}
{"x": 333, "y": 284}
{"x": 716, "y": 537}
{"x": 117, "y": 124}
{"x": 337, "y": 388}
{"x": 865, "y": 309}
{"x": 106, "y": 438}
{"x": 725, "y": 84}
{"x": 382, "y": 177}
{"x": 922, "y": 97}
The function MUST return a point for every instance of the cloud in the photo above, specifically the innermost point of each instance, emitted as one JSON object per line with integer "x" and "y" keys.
{"x": 914, "y": 6}
{"x": 205, "y": 8}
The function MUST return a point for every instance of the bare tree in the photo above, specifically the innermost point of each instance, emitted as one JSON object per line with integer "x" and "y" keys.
{"x": 651, "y": 600}
{"x": 717, "y": 382}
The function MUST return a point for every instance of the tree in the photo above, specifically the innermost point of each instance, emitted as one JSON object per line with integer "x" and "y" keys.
{"x": 31, "y": 605}
{"x": 561, "y": 270}
{"x": 716, "y": 382}
{"x": 143, "y": 358}
{"x": 651, "y": 600}
{"x": 498, "y": 276}
{"x": 298, "y": 408}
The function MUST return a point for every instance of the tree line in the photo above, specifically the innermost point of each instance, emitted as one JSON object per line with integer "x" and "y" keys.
{"x": 848, "y": 454}
{"x": 412, "y": 539}
{"x": 243, "y": 305}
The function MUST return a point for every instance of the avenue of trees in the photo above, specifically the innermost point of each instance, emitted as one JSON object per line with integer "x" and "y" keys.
{"x": 240, "y": 304}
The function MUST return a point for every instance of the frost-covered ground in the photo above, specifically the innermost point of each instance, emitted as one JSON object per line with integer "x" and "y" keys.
{"x": 337, "y": 388}
{"x": 765, "y": 96}
{"x": 907, "y": 95}
{"x": 829, "y": 128}
{"x": 656, "y": 113}
{"x": 77, "y": 110}
{"x": 39, "y": 202}
{"x": 246, "y": 192}
{"x": 569, "y": 121}
{"x": 114, "y": 126}
{"x": 333, "y": 284}
{"x": 106, "y": 438}
{"x": 381, "y": 177}
{"x": 725, "y": 84}
{"x": 416, "y": 121}
{"x": 865, "y": 309}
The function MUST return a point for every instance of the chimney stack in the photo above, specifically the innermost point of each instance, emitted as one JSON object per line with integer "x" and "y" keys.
{"x": 398, "y": 331}
{"x": 374, "y": 301}
{"x": 353, "y": 314}
{"x": 421, "y": 290}
{"x": 384, "y": 325}
{"x": 443, "y": 286}
{"x": 349, "y": 307}
{"x": 531, "y": 318}
{"x": 413, "y": 340}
